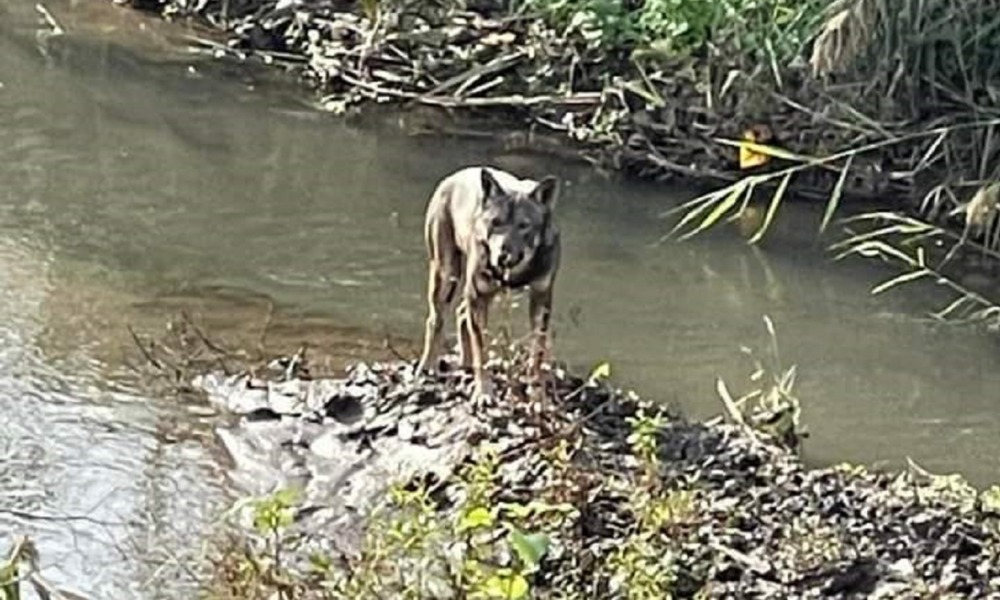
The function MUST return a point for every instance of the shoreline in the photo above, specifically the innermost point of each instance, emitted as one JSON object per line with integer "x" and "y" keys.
{"x": 386, "y": 485}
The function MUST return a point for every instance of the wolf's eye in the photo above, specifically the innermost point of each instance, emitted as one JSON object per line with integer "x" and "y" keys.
{"x": 496, "y": 223}
{"x": 524, "y": 226}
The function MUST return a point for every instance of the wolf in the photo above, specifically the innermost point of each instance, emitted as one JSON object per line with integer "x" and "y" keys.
{"x": 488, "y": 230}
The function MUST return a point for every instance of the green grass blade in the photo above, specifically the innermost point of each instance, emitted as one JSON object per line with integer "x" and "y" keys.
{"x": 747, "y": 197}
{"x": 955, "y": 305}
{"x": 702, "y": 199}
{"x": 772, "y": 209}
{"x": 876, "y": 248}
{"x": 720, "y": 209}
{"x": 897, "y": 229}
{"x": 10, "y": 588}
{"x": 904, "y": 278}
{"x": 691, "y": 216}
{"x": 698, "y": 206}
{"x": 838, "y": 191}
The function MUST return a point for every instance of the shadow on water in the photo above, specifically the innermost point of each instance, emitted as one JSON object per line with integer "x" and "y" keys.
{"x": 136, "y": 184}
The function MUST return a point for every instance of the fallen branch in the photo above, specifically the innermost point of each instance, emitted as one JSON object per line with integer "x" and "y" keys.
{"x": 142, "y": 348}
{"x": 463, "y": 80}
{"x": 514, "y": 101}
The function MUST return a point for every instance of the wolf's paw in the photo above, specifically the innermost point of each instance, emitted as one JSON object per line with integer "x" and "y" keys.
{"x": 482, "y": 391}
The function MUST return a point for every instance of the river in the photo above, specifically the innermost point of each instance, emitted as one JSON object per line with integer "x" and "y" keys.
{"x": 136, "y": 180}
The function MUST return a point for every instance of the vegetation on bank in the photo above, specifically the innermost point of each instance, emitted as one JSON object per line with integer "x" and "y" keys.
{"x": 617, "y": 498}
{"x": 669, "y": 543}
{"x": 896, "y": 102}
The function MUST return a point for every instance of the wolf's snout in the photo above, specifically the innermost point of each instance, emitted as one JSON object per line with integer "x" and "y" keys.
{"x": 508, "y": 258}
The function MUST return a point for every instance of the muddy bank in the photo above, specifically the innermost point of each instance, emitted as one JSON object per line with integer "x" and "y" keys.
{"x": 394, "y": 494}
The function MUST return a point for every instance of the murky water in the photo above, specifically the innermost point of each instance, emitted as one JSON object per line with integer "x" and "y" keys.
{"x": 132, "y": 180}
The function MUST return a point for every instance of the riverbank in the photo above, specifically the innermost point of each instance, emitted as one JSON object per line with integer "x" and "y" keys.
{"x": 373, "y": 483}
{"x": 655, "y": 91}
{"x": 380, "y": 484}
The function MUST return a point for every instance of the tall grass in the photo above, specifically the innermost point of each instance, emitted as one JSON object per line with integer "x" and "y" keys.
{"x": 912, "y": 88}
{"x": 751, "y": 30}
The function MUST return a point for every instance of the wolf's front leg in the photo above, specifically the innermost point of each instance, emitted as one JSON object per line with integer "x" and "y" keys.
{"x": 540, "y": 312}
{"x": 438, "y": 292}
{"x": 475, "y": 323}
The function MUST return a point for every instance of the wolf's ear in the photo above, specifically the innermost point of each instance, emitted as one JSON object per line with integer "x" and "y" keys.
{"x": 490, "y": 186}
{"x": 546, "y": 192}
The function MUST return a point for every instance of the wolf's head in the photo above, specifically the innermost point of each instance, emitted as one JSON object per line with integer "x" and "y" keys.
{"x": 514, "y": 224}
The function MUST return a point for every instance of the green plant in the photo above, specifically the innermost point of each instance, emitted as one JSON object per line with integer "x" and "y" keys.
{"x": 678, "y": 26}
{"x": 643, "y": 566}
{"x": 10, "y": 576}
{"x": 643, "y": 440}
{"x": 603, "y": 24}
{"x": 512, "y": 582}
{"x": 21, "y": 565}
{"x": 270, "y": 517}
{"x": 768, "y": 33}
{"x": 990, "y": 500}
{"x": 664, "y": 511}
{"x": 478, "y": 513}
{"x": 643, "y": 569}
{"x": 770, "y": 406}
{"x": 751, "y": 29}
{"x": 417, "y": 550}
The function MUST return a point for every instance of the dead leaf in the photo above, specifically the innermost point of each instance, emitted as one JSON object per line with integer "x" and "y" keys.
{"x": 749, "y": 158}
